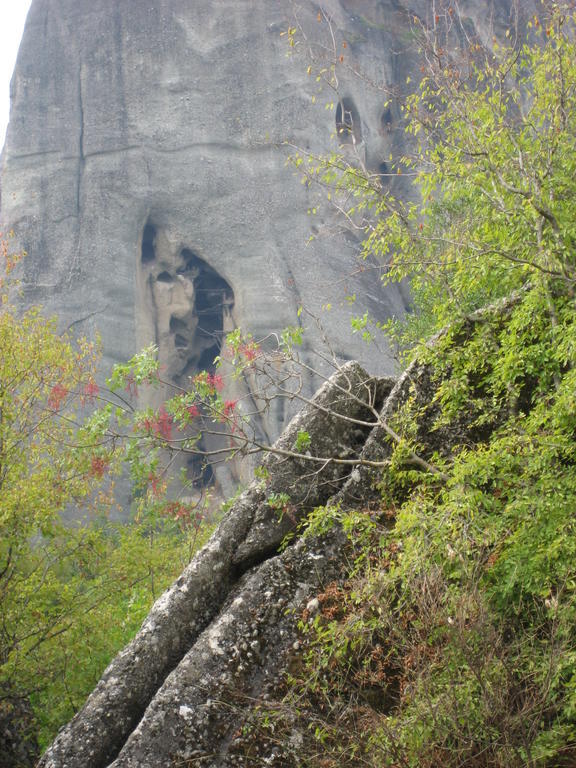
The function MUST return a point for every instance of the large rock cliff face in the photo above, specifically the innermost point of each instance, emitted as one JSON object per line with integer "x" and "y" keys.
{"x": 144, "y": 169}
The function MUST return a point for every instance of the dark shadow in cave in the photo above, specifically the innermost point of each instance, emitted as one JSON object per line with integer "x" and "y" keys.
{"x": 148, "y": 243}
{"x": 200, "y": 470}
{"x": 206, "y": 362}
{"x": 383, "y": 172}
{"x": 191, "y": 304}
{"x": 177, "y": 325}
{"x": 213, "y": 300}
{"x": 348, "y": 125}
{"x": 386, "y": 120}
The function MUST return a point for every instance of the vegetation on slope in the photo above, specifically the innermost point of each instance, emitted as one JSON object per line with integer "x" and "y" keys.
{"x": 71, "y": 595}
{"x": 454, "y": 640}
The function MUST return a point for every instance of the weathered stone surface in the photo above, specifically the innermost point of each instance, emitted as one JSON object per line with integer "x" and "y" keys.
{"x": 338, "y": 421}
{"x": 145, "y": 131}
{"x": 218, "y": 642}
{"x": 201, "y": 707}
{"x": 251, "y": 532}
{"x": 144, "y": 169}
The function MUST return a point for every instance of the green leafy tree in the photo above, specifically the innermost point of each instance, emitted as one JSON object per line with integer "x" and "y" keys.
{"x": 71, "y": 594}
{"x": 453, "y": 641}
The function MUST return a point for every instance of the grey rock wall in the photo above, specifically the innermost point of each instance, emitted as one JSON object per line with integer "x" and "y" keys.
{"x": 144, "y": 169}
{"x": 171, "y": 113}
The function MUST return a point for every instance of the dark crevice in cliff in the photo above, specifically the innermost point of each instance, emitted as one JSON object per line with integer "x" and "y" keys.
{"x": 348, "y": 125}
{"x": 188, "y": 305}
{"x": 148, "y": 244}
{"x": 256, "y": 559}
{"x": 383, "y": 172}
{"x": 213, "y": 299}
{"x": 386, "y": 120}
{"x": 81, "y": 156}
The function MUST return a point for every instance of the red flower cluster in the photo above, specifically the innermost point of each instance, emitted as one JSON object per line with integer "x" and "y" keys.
{"x": 215, "y": 381}
{"x": 164, "y": 422}
{"x": 90, "y": 392}
{"x": 186, "y": 514}
{"x": 131, "y": 386}
{"x": 249, "y": 350}
{"x": 57, "y": 396}
{"x": 98, "y": 467}
{"x": 211, "y": 381}
{"x": 193, "y": 411}
{"x": 160, "y": 425}
{"x": 156, "y": 485}
{"x": 228, "y": 414}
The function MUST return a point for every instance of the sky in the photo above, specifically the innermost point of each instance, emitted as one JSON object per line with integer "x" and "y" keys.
{"x": 12, "y": 18}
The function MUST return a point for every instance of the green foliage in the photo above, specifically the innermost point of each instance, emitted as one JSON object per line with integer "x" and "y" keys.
{"x": 453, "y": 642}
{"x": 360, "y": 325}
{"x": 455, "y": 636}
{"x": 280, "y": 502}
{"x": 141, "y": 369}
{"x": 94, "y": 588}
{"x": 42, "y": 378}
{"x": 303, "y": 441}
{"x": 493, "y": 173}
{"x": 495, "y": 176}
{"x": 290, "y": 337}
{"x": 71, "y": 595}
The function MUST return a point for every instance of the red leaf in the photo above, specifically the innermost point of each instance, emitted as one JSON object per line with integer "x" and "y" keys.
{"x": 56, "y": 397}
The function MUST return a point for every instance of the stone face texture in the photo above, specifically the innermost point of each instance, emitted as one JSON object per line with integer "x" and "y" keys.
{"x": 216, "y": 645}
{"x": 171, "y": 112}
{"x": 176, "y": 657}
{"x": 144, "y": 169}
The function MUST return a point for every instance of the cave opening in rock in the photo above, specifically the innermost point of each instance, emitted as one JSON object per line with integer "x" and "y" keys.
{"x": 383, "y": 172}
{"x": 199, "y": 470}
{"x": 386, "y": 120}
{"x": 213, "y": 301}
{"x": 180, "y": 342}
{"x": 199, "y": 336}
{"x": 149, "y": 244}
{"x": 348, "y": 126}
{"x": 189, "y": 307}
{"x": 177, "y": 325}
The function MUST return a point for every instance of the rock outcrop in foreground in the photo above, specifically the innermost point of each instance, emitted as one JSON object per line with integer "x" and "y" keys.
{"x": 218, "y": 642}
{"x": 227, "y": 627}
